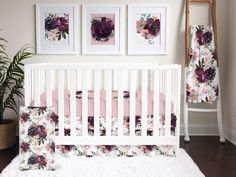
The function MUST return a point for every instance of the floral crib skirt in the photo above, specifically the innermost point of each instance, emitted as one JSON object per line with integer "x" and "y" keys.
{"x": 202, "y": 77}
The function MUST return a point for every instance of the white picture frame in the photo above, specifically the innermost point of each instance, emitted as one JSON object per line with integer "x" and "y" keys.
{"x": 147, "y": 25}
{"x": 56, "y": 29}
{"x": 96, "y": 41}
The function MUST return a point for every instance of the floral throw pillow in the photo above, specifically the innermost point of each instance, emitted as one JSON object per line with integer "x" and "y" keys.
{"x": 37, "y": 134}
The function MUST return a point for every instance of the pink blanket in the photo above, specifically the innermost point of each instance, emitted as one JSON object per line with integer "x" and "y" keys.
{"x": 103, "y": 103}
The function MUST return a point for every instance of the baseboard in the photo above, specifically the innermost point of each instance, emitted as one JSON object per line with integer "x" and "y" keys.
{"x": 230, "y": 135}
{"x": 201, "y": 130}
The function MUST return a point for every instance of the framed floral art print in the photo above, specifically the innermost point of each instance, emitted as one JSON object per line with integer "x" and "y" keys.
{"x": 147, "y": 29}
{"x": 101, "y": 29}
{"x": 55, "y": 28}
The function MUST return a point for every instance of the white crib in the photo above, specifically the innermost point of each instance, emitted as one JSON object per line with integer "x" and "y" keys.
{"x": 46, "y": 77}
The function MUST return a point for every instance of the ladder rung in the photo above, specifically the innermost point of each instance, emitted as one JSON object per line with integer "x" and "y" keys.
{"x": 202, "y": 110}
{"x": 201, "y": 1}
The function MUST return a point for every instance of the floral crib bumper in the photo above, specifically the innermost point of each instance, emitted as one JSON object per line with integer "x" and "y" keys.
{"x": 202, "y": 78}
{"x": 112, "y": 150}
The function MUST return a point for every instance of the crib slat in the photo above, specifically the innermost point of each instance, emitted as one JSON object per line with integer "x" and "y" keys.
{"x": 168, "y": 85}
{"x": 72, "y": 84}
{"x": 120, "y": 103}
{"x": 108, "y": 85}
{"x": 78, "y": 83}
{"x": 27, "y": 86}
{"x": 132, "y": 101}
{"x": 144, "y": 101}
{"x": 96, "y": 102}
{"x": 37, "y": 87}
{"x": 61, "y": 114}
{"x": 84, "y": 103}
{"x": 49, "y": 87}
{"x": 156, "y": 101}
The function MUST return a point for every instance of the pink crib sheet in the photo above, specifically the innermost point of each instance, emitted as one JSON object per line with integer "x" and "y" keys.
{"x": 103, "y": 103}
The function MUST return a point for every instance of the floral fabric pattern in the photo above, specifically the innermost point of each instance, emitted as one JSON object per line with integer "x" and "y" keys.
{"x": 202, "y": 78}
{"x": 37, "y": 133}
{"x": 114, "y": 150}
{"x": 56, "y": 27}
{"x": 148, "y": 26}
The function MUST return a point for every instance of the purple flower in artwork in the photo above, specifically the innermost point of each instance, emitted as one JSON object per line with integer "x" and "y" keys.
{"x": 102, "y": 28}
{"x": 24, "y": 147}
{"x": 153, "y": 26}
{"x": 207, "y": 37}
{"x": 24, "y": 117}
{"x": 149, "y": 27}
{"x": 57, "y": 26}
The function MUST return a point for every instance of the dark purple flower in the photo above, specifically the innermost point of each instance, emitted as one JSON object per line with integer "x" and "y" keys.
{"x": 200, "y": 36}
{"x": 54, "y": 118}
{"x": 153, "y": 26}
{"x": 205, "y": 75}
{"x": 102, "y": 28}
{"x": 24, "y": 117}
{"x": 217, "y": 91}
{"x": 126, "y": 94}
{"x": 32, "y": 131}
{"x": 173, "y": 122}
{"x": 32, "y": 160}
{"x": 41, "y": 160}
{"x": 67, "y": 131}
{"x": 24, "y": 146}
{"x": 50, "y": 23}
{"x": 41, "y": 131}
{"x": 68, "y": 147}
{"x": 37, "y": 130}
{"x": 209, "y": 74}
{"x": 207, "y": 37}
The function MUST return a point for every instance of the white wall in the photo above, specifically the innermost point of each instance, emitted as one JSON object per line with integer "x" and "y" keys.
{"x": 17, "y": 21}
{"x": 230, "y": 95}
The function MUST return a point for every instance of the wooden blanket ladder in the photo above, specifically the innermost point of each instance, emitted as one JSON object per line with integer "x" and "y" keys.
{"x": 187, "y": 109}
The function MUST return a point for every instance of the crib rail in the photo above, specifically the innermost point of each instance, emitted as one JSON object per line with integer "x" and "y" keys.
{"x": 46, "y": 77}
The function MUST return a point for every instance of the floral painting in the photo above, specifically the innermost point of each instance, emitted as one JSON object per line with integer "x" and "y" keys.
{"x": 148, "y": 26}
{"x": 103, "y": 29}
{"x": 37, "y": 131}
{"x": 56, "y": 27}
{"x": 147, "y": 29}
{"x": 202, "y": 83}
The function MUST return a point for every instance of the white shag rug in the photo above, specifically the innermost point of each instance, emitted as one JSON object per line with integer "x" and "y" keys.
{"x": 161, "y": 166}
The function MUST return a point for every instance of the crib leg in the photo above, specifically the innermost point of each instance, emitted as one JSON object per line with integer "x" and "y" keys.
{"x": 186, "y": 138}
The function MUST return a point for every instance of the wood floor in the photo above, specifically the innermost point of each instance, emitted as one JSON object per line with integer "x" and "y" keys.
{"x": 213, "y": 159}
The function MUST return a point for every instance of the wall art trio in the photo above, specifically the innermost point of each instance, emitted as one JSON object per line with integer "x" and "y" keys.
{"x": 103, "y": 27}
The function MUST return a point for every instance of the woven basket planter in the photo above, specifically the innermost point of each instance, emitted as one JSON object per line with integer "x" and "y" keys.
{"x": 7, "y": 134}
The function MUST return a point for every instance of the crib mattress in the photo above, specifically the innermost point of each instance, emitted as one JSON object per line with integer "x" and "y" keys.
{"x": 126, "y": 96}
{"x": 163, "y": 166}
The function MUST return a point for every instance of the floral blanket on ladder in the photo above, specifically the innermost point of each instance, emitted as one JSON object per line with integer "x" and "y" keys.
{"x": 202, "y": 77}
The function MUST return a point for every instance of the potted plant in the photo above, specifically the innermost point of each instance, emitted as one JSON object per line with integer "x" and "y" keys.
{"x": 11, "y": 79}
